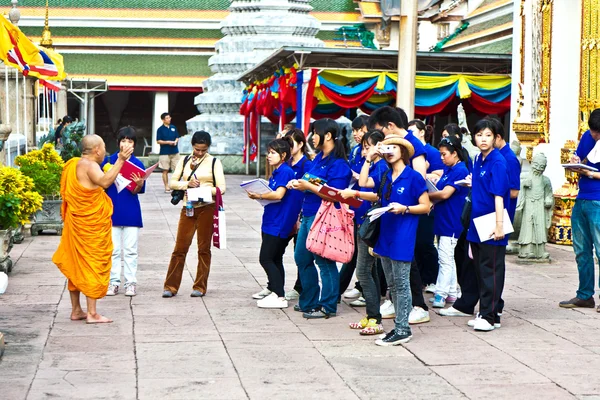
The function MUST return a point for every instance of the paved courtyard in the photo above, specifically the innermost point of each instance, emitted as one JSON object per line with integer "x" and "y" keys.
{"x": 223, "y": 347}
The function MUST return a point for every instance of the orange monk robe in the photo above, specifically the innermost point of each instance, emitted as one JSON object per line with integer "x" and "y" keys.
{"x": 84, "y": 253}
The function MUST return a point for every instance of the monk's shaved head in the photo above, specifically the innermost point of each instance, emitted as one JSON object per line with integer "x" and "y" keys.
{"x": 90, "y": 142}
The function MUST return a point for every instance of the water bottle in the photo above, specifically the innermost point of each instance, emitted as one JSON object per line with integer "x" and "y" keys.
{"x": 189, "y": 209}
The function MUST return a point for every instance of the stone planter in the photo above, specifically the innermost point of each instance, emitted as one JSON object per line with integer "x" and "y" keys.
{"x": 6, "y": 245}
{"x": 48, "y": 218}
{"x": 17, "y": 235}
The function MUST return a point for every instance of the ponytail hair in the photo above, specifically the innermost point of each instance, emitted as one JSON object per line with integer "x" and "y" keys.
{"x": 324, "y": 126}
{"x": 296, "y": 135}
{"x": 372, "y": 137}
{"x": 454, "y": 130}
{"x": 428, "y": 135}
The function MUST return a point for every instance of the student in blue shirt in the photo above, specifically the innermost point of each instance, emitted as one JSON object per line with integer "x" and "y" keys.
{"x": 300, "y": 161}
{"x": 375, "y": 167}
{"x": 275, "y": 227}
{"x": 514, "y": 169}
{"x": 435, "y": 166}
{"x": 394, "y": 121}
{"x": 449, "y": 202}
{"x": 404, "y": 190}
{"x": 330, "y": 165}
{"x": 490, "y": 193}
{"x": 453, "y": 129}
{"x": 126, "y": 220}
{"x": 585, "y": 219}
{"x": 167, "y": 137}
{"x": 356, "y": 161}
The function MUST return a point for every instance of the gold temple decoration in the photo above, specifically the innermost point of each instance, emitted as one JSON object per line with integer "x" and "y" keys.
{"x": 564, "y": 200}
{"x": 46, "y": 34}
{"x": 529, "y": 132}
{"x": 589, "y": 88}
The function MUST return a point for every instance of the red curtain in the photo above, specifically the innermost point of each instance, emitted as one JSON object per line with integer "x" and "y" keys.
{"x": 486, "y": 107}
{"x": 346, "y": 102}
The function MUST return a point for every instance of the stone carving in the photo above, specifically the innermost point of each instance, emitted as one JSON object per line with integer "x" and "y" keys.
{"x": 6, "y": 245}
{"x": 515, "y": 146}
{"x": 467, "y": 143}
{"x": 48, "y": 218}
{"x": 253, "y": 30}
{"x": 535, "y": 204}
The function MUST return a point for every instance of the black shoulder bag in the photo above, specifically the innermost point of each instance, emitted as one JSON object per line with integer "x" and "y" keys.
{"x": 177, "y": 195}
{"x": 369, "y": 230}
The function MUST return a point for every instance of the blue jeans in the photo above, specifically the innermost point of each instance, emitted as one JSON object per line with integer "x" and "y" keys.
{"x": 585, "y": 223}
{"x": 399, "y": 273}
{"x": 311, "y": 297}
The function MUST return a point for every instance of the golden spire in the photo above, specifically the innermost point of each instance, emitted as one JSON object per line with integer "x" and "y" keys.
{"x": 46, "y": 35}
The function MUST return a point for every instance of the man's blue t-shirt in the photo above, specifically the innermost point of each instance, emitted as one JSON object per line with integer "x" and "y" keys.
{"x": 398, "y": 232}
{"x": 589, "y": 189}
{"x": 356, "y": 162}
{"x": 335, "y": 171}
{"x": 376, "y": 171}
{"x": 434, "y": 158}
{"x": 167, "y": 134}
{"x": 448, "y": 212}
{"x": 274, "y": 221}
{"x": 490, "y": 179}
{"x": 417, "y": 144}
{"x": 126, "y": 205}
{"x": 514, "y": 177}
{"x": 296, "y": 196}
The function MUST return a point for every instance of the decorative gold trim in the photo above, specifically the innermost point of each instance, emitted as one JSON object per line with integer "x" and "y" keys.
{"x": 529, "y": 132}
{"x": 522, "y": 48}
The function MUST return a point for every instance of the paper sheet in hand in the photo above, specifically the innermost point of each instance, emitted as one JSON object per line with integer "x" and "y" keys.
{"x": 259, "y": 186}
{"x": 580, "y": 166}
{"x": 203, "y": 194}
{"x": 378, "y": 212}
{"x": 463, "y": 182}
{"x": 594, "y": 155}
{"x": 486, "y": 225}
{"x": 121, "y": 183}
{"x": 431, "y": 188}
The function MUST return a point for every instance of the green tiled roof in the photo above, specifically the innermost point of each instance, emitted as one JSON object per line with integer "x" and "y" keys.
{"x": 500, "y": 47}
{"x": 319, "y": 5}
{"x": 127, "y": 32}
{"x": 117, "y": 64}
{"x": 474, "y": 28}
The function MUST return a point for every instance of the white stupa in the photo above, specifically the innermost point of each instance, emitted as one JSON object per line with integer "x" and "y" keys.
{"x": 253, "y": 30}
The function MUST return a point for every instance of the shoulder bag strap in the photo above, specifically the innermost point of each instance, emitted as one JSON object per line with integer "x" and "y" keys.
{"x": 213, "y": 172}
{"x": 381, "y": 187}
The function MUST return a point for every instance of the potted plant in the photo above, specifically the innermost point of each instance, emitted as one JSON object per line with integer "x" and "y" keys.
{"x": 71, "y": 140}
{"x": 18, "y": 202}
{"x": 44, "y": 167}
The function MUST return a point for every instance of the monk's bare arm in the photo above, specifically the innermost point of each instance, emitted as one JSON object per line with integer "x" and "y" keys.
{"x": 99, "y": 178}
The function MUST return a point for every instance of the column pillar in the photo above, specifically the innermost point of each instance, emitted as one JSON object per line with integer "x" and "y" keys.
{"x": 161, "y": 105}
{"x": 91, "y": 115}
{"x": 61, "y": 104}
{"x": 407, "y": 58}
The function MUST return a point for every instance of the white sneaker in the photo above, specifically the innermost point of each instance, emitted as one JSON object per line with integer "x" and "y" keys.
{"x": 471, "y": 323}
{"x": 387, "y": 310}
{"x": 453, "y": 312}
{"x": 418, "y": 316}
{"x": 482, "y": 325}
{"x": 352, "y": 294}
{"x": 360, "y": 302}
{"x": 112, "y": 290}
{"x": 430, "y": 288}
{"x": 130, "y": 289}
{"x": 292, "y": 295}
{"x": 272, "y": 301}
{"x": 262, "y": 294}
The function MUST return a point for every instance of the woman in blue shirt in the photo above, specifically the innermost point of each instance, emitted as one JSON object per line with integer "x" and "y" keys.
{"x": 275, "y": 229}
{"x": 300, "y": 161}
{"x": 405, "y": 191}
{"x": 449, "y": 202}
{"x": 490, "y": 194}
{"x": 366, "y": 267}
{"x": 127, "y": 221}
{"x": 330, "y": 166}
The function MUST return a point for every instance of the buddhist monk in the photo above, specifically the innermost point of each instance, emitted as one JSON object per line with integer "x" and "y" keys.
{"x": 84, "y": 253}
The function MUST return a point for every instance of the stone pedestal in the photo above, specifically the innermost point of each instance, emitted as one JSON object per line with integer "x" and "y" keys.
{"x": 48, "y": 218}
{"x": 6, "y": 245}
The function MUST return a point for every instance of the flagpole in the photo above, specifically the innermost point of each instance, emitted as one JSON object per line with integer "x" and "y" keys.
{"x": 54, "y": 99}
{"x": 36, "y": 103}
{"x": 17, "y": 111}
{"x": 46, "y": 108}
{"x": 6, "y": 89}
{"x": 25, "y": 113}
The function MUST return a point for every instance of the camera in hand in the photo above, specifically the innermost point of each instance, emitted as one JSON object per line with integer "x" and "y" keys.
{"x": 177, "y": 196}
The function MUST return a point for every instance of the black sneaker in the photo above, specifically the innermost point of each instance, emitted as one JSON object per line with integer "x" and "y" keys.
{"x": 497, "y": 323}
{"x": 297, "y": 308}
{"x": 394, "y": 339}
{"x": 386, "y": 335}
{"x": 315, "y": 314}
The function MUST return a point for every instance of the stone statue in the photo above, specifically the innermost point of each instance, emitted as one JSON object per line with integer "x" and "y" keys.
{"x": 467, "y": 143}
{"x": 535, "y": 204}
{"x": 515, "y": 146}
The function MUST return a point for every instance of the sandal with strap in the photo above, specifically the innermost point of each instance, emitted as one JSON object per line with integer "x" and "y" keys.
{"x": 359, "y": 325}
{"x": 372, "y": 330}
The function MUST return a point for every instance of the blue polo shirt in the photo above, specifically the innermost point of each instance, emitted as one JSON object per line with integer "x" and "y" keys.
{"x": 335, "y": 171}
{"x": 514, "y": 177}
{"x": 296, "y": 197}
{"x": 167, "y": 134}
{"x": 126, "y": 205}
{"x": 448, "y": 212}
{"x": 434, "y": 158}
{"x": 274, "y": 215}
{"x": 490, "y": 179}
{"x": 376, "y": 171}
{"x": 356, "y": 162}
{"x": 589, "y": 189}
{"x": 398, "y": 232}
{"x": 417, "y": 144}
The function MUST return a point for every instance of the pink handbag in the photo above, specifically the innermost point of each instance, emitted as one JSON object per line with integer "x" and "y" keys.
{"x": 331, "y": 235}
